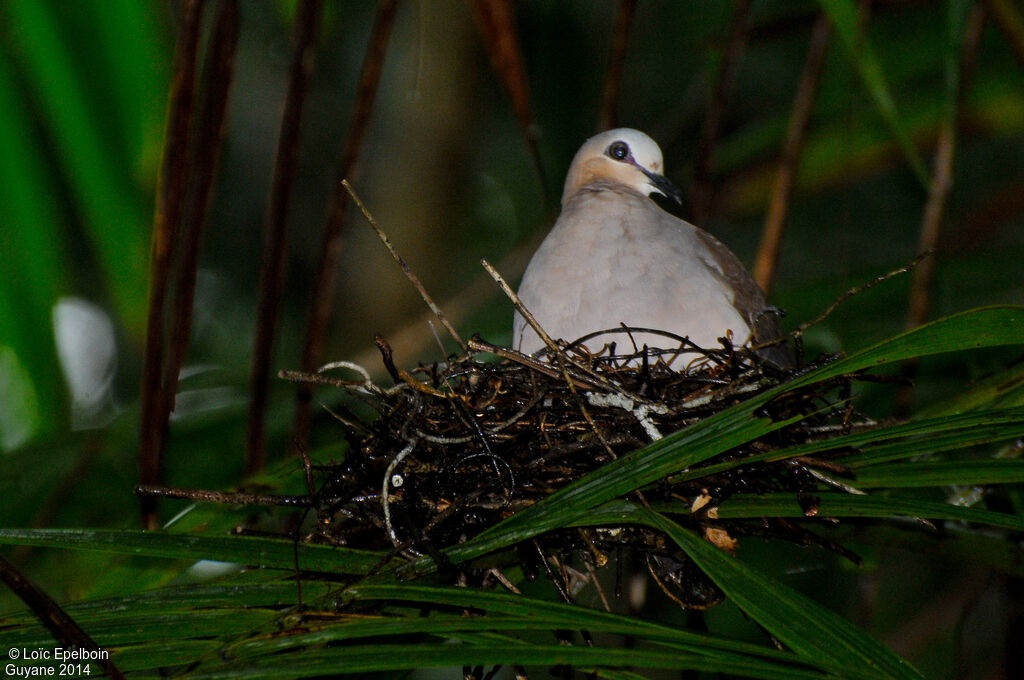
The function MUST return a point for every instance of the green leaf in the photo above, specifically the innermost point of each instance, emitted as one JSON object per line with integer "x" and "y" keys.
{"x": 133, "y": 51}
{"x": 809, "y": 629}
{"x": 1001, "y": 390}
{"x": 846, "y": 22}
{"x": 30, "y": 282}
{"x": 370, "y": 658}
{"x": 882, "y": 444}
{"x": 939, "y": 473}
{"x": 112, "y": 209}
{"x": 256, "y": 626}
{"x": 851, "y": 505}
{"x": 264, "y": 552}
{"x": 557, "y": 616}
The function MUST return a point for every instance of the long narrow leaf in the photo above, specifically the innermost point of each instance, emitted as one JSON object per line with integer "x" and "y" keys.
{"x": 943, "y": 472}
{"x": 32, "y": 276}
{"x": 801, "y": 624}
{"x": 264, "y": 552}
{"x": 557, "y": 615}
{"x": 883, "y": 444}
{"x": 368, "y": 658}
{"x": 113, "y": 209}
{"x": 849, "y": 505}
{"x": 846, "y": 22}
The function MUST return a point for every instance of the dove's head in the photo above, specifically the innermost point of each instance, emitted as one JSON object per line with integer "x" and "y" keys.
{"x": 622, "y": 156}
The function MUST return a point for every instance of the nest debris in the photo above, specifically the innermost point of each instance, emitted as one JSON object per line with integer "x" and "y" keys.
{"x": 452, "y": 448}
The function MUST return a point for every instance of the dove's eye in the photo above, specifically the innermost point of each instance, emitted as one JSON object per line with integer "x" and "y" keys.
{"x": 618, "y": 150}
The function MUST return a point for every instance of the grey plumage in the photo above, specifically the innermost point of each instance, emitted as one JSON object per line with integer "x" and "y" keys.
{"x": 615, "y": 257}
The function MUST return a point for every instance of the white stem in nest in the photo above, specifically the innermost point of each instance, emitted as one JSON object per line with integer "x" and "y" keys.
{"x": 367, "y": 383}
{"x": 639, "y": 411}
{"x": 386, "y": 488}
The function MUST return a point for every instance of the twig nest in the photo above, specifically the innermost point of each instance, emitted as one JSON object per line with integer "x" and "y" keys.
{"x": 451, "y": 448}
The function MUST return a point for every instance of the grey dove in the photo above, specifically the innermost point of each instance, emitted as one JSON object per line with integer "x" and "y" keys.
{"x": 615, "y": 257}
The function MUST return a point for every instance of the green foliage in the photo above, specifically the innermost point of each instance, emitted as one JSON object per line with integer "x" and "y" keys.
{"x": 259, "y": 629}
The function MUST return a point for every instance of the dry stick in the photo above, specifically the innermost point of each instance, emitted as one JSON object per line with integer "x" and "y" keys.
{"x": 613, "y": 80}
{"x": 1007, "y": 16}
{"x": 318, "y": 379}
{"x": 272, "y": 270}
{"x": 592, "y": 380}
{"x": 551, "y": 344}
{"x": 850, "y": 293}
{"x": 701, "y": 196}
{"x": 497, "y": 26}
{"x": 586, "y": 415}
{"x": 409, "y": 274}
{"x": 479, "y": 345}
{"x": 330, "y": 249}
{"x": 206, "y": 148}
{"x": 224, "y": 497}
{"x": 64, "y": 628}
{"x": 592, "y": 571}
{"x": 938, "y": 193}
{"x": 807, "y": 92}
{"x": 942, "y": 175}
{"x": 166, "y": 218}
{"x": 521, "y": 308}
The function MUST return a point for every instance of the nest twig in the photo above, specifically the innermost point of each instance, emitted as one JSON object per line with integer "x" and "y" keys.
{"x": 457, "y": 446}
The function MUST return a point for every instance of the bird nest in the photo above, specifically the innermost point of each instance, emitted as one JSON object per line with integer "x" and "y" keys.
{"x": 451, "y": 448}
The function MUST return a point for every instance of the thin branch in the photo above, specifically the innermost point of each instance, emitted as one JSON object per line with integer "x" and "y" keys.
{"x": 856, "y": 290}
{"x": 702, "y": 188}
{"x": 497, "y": 27}
{"x": 330, "y": 250}
{"x": 224, "y": 497}
{"x": 613, "y": 79}
{"x": 807, "y": 92}
{"x": 938, "y": 193}
{"x": 205, "y": 158}
{"x": 412, "y": 338}
{"x": 409, "y": 274}
{"x": 166, "y": 221}
{"x": 272, "y": 271}
{"x": 562, "y": 356}
{"x": 934, "y": 209}
{"x": 521, "y": 308}
{"x": 64, "y": 628}
{"x": 942, "y": 174}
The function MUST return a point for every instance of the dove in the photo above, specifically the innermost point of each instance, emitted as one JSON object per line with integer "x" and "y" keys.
{"x": 614, "y": 257}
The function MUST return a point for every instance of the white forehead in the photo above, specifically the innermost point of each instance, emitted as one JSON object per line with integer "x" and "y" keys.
{"x": 644, "y": 149}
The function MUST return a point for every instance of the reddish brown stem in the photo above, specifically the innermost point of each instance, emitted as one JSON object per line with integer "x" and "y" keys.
{"x": 1007, "y": 16}
{"x": 206, "y": 148}
{"x": 496, "y": 21}
{"x": 166, "y": 220}
{"x": 64, "y": 628}
{"x": 935, "y": 207}
{"x": 272, "y": 271}
{"x": 330, "y": 251}
{"x": 807, "y": 92}
{"x": 703, "y": 170}
{"x": 942, "y": 178}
